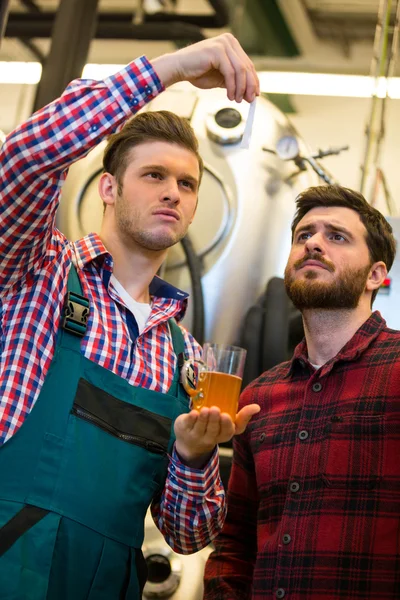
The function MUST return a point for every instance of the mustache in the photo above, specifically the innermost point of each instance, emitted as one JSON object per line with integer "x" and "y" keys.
{"x": 317, "y": 257}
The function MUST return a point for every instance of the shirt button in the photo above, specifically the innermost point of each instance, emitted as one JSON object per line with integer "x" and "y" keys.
{"x": 262, "y": 437}
{"x": 287, "y": 538}
{"x": 280, "y": 593}
{"x": 294, "y": 487}
{"x": 147, "y": 89}
{"x": 135, "y": 101}
{"x": 93, "y": 128}
{"x": 303, "y": 434}
{"x": 336, "y": 419}
{"x": 317, "y": 387}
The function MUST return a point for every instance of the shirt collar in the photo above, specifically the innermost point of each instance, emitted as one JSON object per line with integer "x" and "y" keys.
{"x": 360, "y": 341}
{"x": 91, "y": 248}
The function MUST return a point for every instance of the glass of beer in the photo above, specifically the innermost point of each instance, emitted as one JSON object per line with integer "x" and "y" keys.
{"x": 217, "y": 379}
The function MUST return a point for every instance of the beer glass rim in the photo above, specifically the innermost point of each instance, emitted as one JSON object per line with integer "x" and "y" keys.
{"x": 226, "y": 347}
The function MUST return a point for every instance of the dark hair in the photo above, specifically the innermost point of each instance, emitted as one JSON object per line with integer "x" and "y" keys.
{"x": 380, "y": 240}
{"x": 151, "y": 126}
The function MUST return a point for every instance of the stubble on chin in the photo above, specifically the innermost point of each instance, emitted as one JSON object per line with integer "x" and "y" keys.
{"x": 146, "y": 239}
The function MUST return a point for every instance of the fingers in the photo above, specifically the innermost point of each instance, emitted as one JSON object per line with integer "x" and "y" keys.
{"x": 243, "y": 417}
{"x": 246, "y": 78}
{"x": 238, "y": 80}
{"x": 208, "y": 424}
{"x": 216, "y": 62}
{"x": 208, "y": 427}
{"x": 197, "y": 433}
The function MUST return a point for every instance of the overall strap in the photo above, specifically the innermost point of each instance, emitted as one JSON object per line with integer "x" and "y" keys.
{"x": 75, "y": 313}
{"x": 178, "y": 341}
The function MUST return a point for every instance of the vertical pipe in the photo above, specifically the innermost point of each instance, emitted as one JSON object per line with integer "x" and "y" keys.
{"x": 72, "y": 32}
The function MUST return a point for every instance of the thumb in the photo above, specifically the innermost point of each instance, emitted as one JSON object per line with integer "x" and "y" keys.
{"x": 243, "y": 417}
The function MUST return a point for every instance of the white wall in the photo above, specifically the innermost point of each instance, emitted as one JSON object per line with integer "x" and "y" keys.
{"x": 327, "y": 121}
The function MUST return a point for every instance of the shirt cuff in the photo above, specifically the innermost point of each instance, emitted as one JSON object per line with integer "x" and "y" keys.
{"x": 197, "y": 482}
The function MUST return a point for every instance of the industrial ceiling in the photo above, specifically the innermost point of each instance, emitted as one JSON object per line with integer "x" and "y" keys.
{"x": 295, "y": 33}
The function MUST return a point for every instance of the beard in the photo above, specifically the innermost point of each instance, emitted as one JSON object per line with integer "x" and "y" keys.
{"x": 343, "y": 293}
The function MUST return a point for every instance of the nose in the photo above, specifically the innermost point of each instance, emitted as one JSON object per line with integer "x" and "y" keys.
{"x": 170, "y": 192}
{"x": 315, "y": 243}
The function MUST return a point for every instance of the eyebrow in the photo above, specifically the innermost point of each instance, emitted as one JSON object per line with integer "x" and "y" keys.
{"x": 329, "y": 226}
{"x": 165, "y": 171}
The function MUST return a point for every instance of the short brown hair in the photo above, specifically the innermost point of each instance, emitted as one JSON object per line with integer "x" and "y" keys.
{"x": 151, "y": 126}
{"x": 380, "y": 240}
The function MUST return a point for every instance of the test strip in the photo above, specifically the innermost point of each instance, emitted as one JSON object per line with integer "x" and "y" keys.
{"x": 249, "y": 126}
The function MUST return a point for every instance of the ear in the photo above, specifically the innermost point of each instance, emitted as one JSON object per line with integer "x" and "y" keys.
{"x": 377, "y": 276}
{"x": 108, "y": 188}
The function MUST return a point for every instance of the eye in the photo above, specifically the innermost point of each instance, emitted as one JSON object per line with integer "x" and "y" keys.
{"x": 154, "y": 175}
{"x": 187, "y": 184}
{"x": 337, "y": 237}
{"x": 302, "y": 237}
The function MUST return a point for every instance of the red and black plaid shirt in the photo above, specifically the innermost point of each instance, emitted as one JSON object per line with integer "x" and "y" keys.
{"x": 314, "y": 495}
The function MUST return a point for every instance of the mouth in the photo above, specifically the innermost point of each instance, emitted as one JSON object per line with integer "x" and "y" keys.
{"x": 167, "y": 214}
{"x": 314, "y": 264}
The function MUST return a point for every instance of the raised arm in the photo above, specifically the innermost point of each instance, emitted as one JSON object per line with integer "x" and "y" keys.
{"x": 35, "y": 158}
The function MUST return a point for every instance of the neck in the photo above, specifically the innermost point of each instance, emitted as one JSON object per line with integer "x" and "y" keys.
{"x": 327, "y": 331}
{"x": 134, "y": 267}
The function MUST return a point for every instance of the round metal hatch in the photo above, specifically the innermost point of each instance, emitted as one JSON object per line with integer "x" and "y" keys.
{"x": 225, "y": 126}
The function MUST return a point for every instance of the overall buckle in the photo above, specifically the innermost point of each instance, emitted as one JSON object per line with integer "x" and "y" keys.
{"x": 75, "y": 314}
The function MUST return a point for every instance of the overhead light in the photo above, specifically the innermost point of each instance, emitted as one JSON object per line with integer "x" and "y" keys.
{"x": 20, "y": 72}
{"x": 323, "y": 84}
{"x": 272, "y": 82}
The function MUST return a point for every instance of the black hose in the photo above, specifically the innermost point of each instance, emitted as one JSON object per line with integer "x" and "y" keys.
{"x": 195, "y": 269}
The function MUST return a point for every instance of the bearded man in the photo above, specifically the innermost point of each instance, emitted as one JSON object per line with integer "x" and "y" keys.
{"x": 314, "y": 493}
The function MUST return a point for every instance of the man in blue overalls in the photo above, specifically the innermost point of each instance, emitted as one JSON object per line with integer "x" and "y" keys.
{"x": 94, "y": 425}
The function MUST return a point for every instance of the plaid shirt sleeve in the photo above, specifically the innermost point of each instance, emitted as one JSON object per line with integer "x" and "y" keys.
{"x": 192, "y": 509}
{"x": 35, "y": 157}
{"x": 229, "y": 569}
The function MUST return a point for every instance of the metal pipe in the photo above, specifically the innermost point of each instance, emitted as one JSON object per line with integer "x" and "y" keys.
{"x": 120, "y": 25}
{"x": 4, "y": 8}
{"x": 114, "y": 27}
{"x": 377, "y": 71}
{"x": 71, "y": 36}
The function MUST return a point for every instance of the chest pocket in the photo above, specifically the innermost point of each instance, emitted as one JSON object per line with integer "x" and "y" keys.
{"x": 353, "y": 451}
{"x": 272, "y": 447}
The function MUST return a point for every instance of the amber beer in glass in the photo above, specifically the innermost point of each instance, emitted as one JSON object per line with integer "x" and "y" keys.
{"x": 217, "y": 379}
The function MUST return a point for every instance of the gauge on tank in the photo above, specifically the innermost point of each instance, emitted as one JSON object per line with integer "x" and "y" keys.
{"x": 287, "y": 147}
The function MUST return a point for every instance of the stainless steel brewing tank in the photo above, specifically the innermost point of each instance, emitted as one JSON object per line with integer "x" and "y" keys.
{"x": 246, "y": 204}
{"x": 388, "y": 298}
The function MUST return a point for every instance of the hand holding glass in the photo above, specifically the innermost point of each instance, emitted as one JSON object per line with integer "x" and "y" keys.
{"x": 217, "y": 379}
